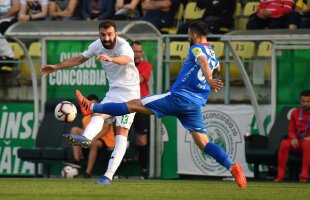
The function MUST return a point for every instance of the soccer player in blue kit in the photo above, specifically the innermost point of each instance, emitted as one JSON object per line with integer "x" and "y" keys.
{"x": 184, "y": 100}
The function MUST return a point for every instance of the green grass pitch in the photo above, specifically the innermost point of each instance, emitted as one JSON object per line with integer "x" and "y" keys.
{"x": 58, "y": 188}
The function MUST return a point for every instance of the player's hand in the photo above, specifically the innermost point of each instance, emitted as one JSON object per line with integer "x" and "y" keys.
{"x": 264, "y": 14}
{"x": 104, "y": 57}
{"x": 294, "y": 143}
{"x": 47, "y": 69}
{"x": 216, "y": 84}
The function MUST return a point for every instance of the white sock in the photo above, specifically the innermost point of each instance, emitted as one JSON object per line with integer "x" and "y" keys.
{"x": 117, "y": 155}
{"x": 93, "y": 127}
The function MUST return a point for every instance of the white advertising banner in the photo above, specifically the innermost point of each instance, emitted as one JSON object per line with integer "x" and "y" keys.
{"x": 226, "y": 126}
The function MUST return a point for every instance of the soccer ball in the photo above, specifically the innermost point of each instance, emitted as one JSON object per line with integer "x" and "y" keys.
{"x": 69, "y": 172}
{"x": 65, "y": 111}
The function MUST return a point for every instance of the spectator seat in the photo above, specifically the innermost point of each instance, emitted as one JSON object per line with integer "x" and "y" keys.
{"x": 249, "y": 8}
{"x": 192, "y": 12}
{"x": 219, "y": 48}
{"x": 263, "y": 150}
{"x": 178, "y": 53}
{"x": 177, "y": 17}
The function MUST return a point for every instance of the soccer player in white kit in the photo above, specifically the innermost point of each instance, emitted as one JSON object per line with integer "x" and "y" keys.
{"x": 117, "y": 59}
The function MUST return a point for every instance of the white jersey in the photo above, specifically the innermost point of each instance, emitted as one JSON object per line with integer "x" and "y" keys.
{"x": 123, "y": 80}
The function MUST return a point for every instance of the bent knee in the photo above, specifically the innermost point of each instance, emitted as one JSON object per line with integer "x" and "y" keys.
{"x": 200, "y": 139}
{"x": 286, "y": 143}
{"x": 76, "y": 130}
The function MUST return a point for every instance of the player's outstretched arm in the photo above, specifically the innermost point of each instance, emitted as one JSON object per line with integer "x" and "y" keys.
{"x": 121, "y": 60}
{"x": 71, "y": 62}
{"x": 47, "y": 69}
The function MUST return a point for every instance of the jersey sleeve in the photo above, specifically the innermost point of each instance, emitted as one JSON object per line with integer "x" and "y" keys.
{"x": 196, "y": 51}
{"x": 90, "y": 52}
{"x": 200, "y": 50}
{"x": 126, "y": 50}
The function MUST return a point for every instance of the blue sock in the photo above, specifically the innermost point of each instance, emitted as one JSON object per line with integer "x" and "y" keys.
{"x": 216, "y": 152}
{"x": 114, "y": 109}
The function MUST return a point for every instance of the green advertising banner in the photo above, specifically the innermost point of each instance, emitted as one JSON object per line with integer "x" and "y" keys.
{"x": 292, "y": 69}
{"x": 16, "y": 130}
{"x": 88, "y": 77}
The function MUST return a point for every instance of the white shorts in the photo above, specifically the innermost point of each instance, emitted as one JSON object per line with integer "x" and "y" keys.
{"x": 117, "y": 95}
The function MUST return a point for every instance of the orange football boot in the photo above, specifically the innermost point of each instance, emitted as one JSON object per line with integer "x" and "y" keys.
{"x": 84, "y": 103}
{"x": 236, "y": 171}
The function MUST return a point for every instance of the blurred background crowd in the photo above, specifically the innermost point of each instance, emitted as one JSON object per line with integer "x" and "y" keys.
{"x": 169, "y": 16}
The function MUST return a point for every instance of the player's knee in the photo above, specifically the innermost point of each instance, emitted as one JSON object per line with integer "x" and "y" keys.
{"x": 200, "y": 139}
{"x": 134, "y": 105}
{"x": 76, "y": 130}
{"x": 285, "y": 144}
{"x": 95, "y": 144}
{"x": 201, "y": 144}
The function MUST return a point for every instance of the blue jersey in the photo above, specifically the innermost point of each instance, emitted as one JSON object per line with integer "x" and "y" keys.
{"x": 191, "y": 82}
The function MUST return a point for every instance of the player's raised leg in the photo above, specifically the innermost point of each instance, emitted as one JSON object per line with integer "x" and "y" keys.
{"x": 114, "y": 109}
{"x": 221, "y": 157}
{"x": 85, "y": 104}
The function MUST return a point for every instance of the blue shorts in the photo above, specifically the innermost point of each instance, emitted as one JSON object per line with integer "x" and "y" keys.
{"x": 186, "y": 111}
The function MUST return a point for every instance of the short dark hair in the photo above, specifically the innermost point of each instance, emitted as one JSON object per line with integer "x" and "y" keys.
{"x": 93, "y": 97}
{"x": 107, "y": 23}
{"x": 199, "y": 27}
{"x": 136, "y": 42}
{"x": 305, "y": 93}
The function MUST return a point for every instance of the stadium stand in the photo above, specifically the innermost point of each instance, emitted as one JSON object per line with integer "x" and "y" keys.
{"x": 34, "y": 51}
{"x": 178, "y": 53}
{"x": 264, "y": 49}
{"x": 238, "y": 10}
{"x": 219, "y": 48}
{"x": 17, "y": 49}
{"x": 246, "y": 51}
{"x": 263, "y": 150}
{"x": 262, "y": 62}
{"x": 192, "y": 12}
{"x": 178, "y": 18}
{"x": 249, "y": 8}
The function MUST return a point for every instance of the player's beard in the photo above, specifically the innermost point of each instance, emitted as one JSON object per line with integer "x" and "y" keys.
{"x": 110, "y": 44}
